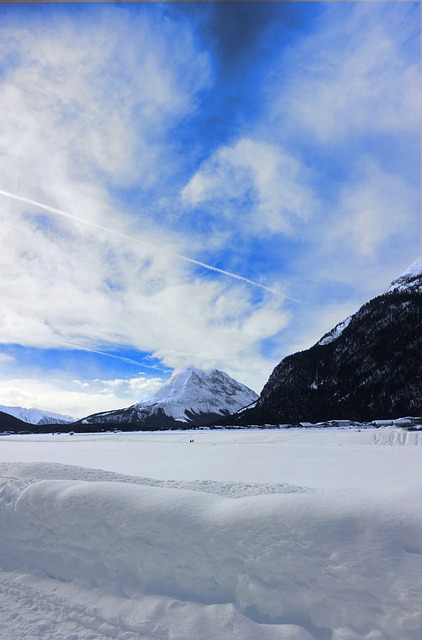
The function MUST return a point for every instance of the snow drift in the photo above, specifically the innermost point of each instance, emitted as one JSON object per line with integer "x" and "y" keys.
{"x": 174, "y": 563}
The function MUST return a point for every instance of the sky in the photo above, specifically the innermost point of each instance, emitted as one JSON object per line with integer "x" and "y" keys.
{"x": 206, "y": 184}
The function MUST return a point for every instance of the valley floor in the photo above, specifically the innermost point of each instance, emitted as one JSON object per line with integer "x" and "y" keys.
{"x": 261, "y": 534}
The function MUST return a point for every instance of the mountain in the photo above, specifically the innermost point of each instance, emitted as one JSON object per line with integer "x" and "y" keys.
{"x": 190, "y": 398}
{"x": 10, "y": 423}
{"x": 369, "y": 366}
{"x": 36, "y": 416}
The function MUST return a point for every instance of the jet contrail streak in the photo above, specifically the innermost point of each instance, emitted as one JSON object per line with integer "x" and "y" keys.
{"x": 100, "y": 227}
{"x": 109, "y": 355}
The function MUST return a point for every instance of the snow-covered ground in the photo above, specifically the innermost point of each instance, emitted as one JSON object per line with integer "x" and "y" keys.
{"x": 245, "y": 535}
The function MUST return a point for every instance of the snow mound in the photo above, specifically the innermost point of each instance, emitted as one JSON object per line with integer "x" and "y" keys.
{"x": 166, "y": 563}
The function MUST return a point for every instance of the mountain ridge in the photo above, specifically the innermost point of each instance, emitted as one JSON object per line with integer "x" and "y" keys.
{"x": 36, "y": 416}
{"x": 367, "y": 366}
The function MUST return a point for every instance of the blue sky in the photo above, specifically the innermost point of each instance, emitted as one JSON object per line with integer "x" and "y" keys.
{"x": 207, "y": 184}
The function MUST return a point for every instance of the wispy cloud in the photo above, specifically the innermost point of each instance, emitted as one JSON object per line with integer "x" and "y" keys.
{"x": 83, "y": 107}
{"x": 355, "y": 74}
{"x": 376, "y": 210}
{"x": 346, "y": 96}
{"x": 150, "y": 302}
{"x": 137, "y": 240}
{"x": 256, "y": 184}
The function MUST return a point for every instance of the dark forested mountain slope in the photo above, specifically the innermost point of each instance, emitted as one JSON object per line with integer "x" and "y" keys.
{"x": 10, "y": 423}
{"x": 367, "y": 367}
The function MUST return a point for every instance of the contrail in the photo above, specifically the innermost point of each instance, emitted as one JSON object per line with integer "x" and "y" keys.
{"x": 109, "y": 355}
{"x": 100, "y": 227}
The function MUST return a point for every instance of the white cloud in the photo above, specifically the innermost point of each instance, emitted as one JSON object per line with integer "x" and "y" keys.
{"x": 260, "y": 180}
{"x": 59, "y": 395}
{"x": 81, "y": 108}
{"x": 346, "y": 97}
{"x": 68, "y": 288}
{"x": 210, "y": 326}
{"x": 353, "y": 76}
{"x": 82, "y": 115}
{"x": 81, "y": 383}
{"x": 374, "y": 211}
{"x": 49, "y": 396}
{"x": 5, "y": 358}
{"x": 139, "y": 387}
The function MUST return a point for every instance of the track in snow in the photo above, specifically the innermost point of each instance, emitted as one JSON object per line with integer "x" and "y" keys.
{"x": 29, "y": 612}
{"x": 56, "y": 471}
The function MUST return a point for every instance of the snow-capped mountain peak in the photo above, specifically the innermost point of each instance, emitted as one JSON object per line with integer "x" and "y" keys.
{"x": 191, "y": 396}
{"x": 194, "y": 391}
{"x": 176, "y": 387}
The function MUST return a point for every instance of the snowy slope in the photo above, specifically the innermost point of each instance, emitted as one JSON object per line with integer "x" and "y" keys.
{"x": 35, "y": 416}
{"x": 336, "y": 332}
{"x": 192, "y": 396}
{"x": 88, "y": 554}
{"x": 409, "y": 279}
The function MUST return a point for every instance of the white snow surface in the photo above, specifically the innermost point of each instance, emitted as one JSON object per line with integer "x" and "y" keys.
{"x": 336, "y": 332}
{"x": 199, "y": 392}
{"x": 407, "y": 279}
{"x": 34, "y": 416}
{"x": 245, "y": 535}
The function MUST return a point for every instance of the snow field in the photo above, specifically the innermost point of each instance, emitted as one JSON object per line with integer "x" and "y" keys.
{"x": 324, "y": 459}
{"x": 89, "y": 553}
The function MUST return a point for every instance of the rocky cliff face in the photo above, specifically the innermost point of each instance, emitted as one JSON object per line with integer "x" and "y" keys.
{"x": 368, "y": 367}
